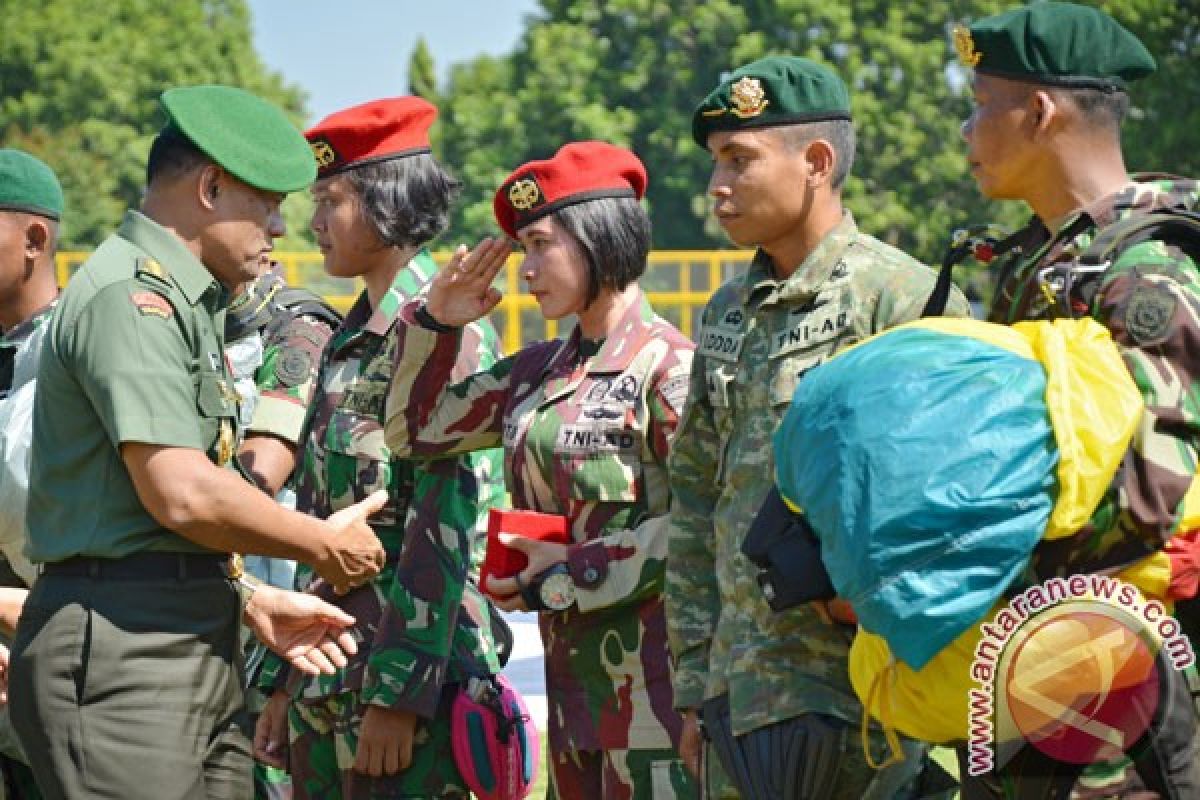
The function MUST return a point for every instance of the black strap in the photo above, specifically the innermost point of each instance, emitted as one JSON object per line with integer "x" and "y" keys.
{"x": 965, "y": 242}
{"x": 1176, "y": 226}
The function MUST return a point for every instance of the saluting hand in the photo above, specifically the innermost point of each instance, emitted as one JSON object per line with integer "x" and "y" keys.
{"x": 462, "y": 292}
{"x": 355, "y": 554}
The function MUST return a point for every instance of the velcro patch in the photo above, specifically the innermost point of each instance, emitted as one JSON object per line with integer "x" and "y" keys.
{"x": 152, "y": 305}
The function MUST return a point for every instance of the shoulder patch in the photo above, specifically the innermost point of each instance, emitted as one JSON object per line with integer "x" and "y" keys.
{"x": 1149, "y": 313}
{"x": 293, "y": 366}
{"x": 151, "y": 304}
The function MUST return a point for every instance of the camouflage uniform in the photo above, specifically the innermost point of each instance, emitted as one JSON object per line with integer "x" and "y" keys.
{"x": 586, "y": 434}
{"x": 422, "y": 624}
{"x": 1149, "y": 299}
{"x": 759, "y": 336}
{"x": 274, "y": 370}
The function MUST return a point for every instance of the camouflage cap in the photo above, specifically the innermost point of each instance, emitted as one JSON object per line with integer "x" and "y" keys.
{"x": 1058, "y": 44}
{"x": 247, "y": 136}
{"x": 776, "y": 90}
{"x": 28, "y": 184}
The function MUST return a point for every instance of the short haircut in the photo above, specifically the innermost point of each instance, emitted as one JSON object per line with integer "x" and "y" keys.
{"x": 1098, "y": 107}
{"x": 614, "y": 234}
{"x": 838, "y": 132}
{"x": 405, "y": 200}
{"x": 171, "y": 156}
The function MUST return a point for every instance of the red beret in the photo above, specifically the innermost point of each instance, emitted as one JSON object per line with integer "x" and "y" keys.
{"x": 374, "y": 131}
{"x": 579, "y": 171}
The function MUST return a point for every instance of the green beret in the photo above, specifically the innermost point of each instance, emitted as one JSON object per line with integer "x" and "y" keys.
{"x": 27, "y": 184}
{"x": 247, "y": 136}
{"x": 1059, "y": 44}
{"x": 776, "y": 90}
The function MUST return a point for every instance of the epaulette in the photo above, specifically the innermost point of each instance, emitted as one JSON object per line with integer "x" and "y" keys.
{"x": 148, "y": 267}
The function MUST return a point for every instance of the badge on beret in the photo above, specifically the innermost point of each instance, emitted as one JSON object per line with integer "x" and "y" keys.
{"x": 152, "y": 305}
{"x": 292, "y": 367}
{"x": 524, "y": 194}
{"x": 323, "y": 152}
{"x": 964, "y": 45}
{"x": 748, "y": 98}
{"x": 1149, "y": 313}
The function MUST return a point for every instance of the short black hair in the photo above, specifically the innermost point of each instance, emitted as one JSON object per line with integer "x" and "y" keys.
{"x": 840, "y": 135}
{"x": 172, "y": 155}
{"x": 614, "y": 233}
{"x": 405, "y": 200}
{"x": 1098, "y": 107}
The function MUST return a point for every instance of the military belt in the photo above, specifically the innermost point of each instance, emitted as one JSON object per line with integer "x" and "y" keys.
{"x": 147, "y": 566}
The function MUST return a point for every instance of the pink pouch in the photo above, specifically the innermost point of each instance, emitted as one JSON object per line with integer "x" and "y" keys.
{"x": 494, "y": 739}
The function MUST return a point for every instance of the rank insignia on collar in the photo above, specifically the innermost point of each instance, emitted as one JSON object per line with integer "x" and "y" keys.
{"x": 748, "y": 98}
{"x": 524, "y": 194}
{"x": 964, "y": 45}
{"x": 323, "y": 152}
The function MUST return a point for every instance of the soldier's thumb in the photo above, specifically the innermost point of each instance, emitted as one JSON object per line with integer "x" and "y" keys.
{"x": 371, "y": 504}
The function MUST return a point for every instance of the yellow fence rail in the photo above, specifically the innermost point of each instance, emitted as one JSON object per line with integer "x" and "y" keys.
{"x": 678, "y": 283}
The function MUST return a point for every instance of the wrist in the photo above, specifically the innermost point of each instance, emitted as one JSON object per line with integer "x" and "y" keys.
{"x": 428, "y": 320}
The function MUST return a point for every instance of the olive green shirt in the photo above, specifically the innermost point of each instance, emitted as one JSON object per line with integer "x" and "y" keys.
{"x": 134, "y": 353}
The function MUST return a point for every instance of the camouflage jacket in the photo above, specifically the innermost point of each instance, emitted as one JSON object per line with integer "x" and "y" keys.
{"x": 422, "y": 622}
{"x": 759, "y": 336}
{"x": 1149, "y": 299}
{"x": 585, "y": 436}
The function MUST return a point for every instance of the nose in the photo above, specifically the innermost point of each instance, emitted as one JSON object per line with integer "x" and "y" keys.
{"x": 528, "y": 269}
{"x": 717, "y": 186}
{"x": 276, "y": 227}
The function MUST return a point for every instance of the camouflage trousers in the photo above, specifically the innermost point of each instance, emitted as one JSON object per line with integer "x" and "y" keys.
{"x": 323, "y": 738}
{"x": 619, "y": 775}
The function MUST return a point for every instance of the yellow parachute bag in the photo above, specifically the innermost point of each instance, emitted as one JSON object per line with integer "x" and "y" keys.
{"x": 1093, "y": 406}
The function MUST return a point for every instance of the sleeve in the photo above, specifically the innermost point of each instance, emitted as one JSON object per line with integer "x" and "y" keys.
{"x": 627, "y": 566}
{"x": 428, "y": 412}
{"x": 693, "y": 601}
{"x": 410, "y": 653}
{"x": 1151, "y": 306}
{"x": 133, "y": 363}
{"x": 287, "y": 378}
{"x": 903, "y": 298}
{"x": 272, "y": 674}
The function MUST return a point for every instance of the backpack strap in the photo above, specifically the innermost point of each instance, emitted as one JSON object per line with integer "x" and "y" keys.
{"x": 984, "y": 242}
{"x": 291, "y": 302}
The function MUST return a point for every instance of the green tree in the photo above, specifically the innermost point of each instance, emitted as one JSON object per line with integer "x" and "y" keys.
{"x": 422, "y": 76}
{"x": 79, "y": 86}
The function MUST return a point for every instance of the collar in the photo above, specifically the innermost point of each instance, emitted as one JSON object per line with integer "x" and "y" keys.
{"x": 1145, "y": 192}
{"x": 19, "y": 333}
{"x": 760, "y": 283}
{"x": 625, "y": 339}
{"x": 408, "y": 283}
{"x": 187, "y": 271}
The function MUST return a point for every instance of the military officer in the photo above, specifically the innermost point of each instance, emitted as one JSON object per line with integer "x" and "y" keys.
{"x": 124, "y": 666}
{"x": 586, "y": 423}
{"x": 31, "y": 207}
{"x": 381, "y": 726}
{"x": 1051, "y": 89}
{"x": 782, "y": 142}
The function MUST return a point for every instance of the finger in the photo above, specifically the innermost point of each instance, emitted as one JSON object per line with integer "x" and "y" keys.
{"x": 347, "y": 643}
{"x": 502, "y": 588}
{"x": 391, "y": 761}
{"x": 333, "y": 616}
{"x": 375, "y": 502}
{"x": 333, "y": 653}
{"x": 375, "y": 762}
{"x": 302, "y": 663}
{"x": 514, "y": 603}
{"x": 361, "y": 758}
{"x": 318, "y": 658}
{"x": 514, "y": 541}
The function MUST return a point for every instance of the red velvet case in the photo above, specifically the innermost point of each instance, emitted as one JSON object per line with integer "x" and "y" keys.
{"x": 504, "y": 562}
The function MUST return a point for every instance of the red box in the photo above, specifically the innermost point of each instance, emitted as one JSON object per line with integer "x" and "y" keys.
{"x": 501, "y": 561}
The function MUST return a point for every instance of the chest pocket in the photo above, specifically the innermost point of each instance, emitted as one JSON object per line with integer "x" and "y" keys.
{"x": 358, "y": 464}
{"x": 600, "y": 463}
{"x": 217, "y": 405}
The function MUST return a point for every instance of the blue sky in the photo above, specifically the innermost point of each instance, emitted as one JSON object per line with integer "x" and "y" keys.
{"x": 348, "y": 52}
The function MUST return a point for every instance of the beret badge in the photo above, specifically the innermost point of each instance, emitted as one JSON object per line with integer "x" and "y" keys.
{"x": 748, "y": 98}
{"x": 524, "y": 194}
{"x": 964, "y": 45}
{"x": 323, "y": 153}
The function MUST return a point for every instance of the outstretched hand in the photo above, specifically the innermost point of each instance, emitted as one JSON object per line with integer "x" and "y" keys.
{"x": 308, "y": 632}
{"x": 462, "y": 291}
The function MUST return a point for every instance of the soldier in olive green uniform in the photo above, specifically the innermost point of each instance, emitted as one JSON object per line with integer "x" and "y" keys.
{"x": 125, "y": 670}
{"x": 771, "y": 683}
{"x": 1051, "y": 84}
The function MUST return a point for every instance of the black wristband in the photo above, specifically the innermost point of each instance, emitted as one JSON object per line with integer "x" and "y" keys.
{"x": 426, "y": 320}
